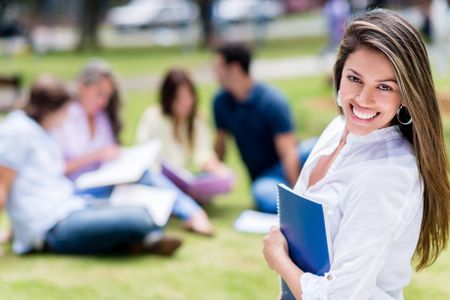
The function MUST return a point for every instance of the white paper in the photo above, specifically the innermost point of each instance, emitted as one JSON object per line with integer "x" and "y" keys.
{"x": 127, "y": 168}
{"x": 255, "y": 222}
{"x": 158, "y": 202}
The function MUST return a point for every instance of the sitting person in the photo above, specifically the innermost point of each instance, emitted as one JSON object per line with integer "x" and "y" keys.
{"x": 185, "y": 135}
{"x": 44, "y": 211}
{"x": 258, "y": 118}
{"x": 89, "y": 136}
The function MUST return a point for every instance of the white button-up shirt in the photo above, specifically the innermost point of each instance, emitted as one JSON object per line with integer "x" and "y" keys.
{"x": 374, "y": 198}
{"x": 40, "y": 196}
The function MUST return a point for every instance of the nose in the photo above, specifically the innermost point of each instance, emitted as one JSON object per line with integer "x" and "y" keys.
{"x": 365, "y": 97}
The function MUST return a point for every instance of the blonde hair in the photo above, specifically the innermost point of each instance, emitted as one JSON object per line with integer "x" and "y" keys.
{"x": 390, "y": 34}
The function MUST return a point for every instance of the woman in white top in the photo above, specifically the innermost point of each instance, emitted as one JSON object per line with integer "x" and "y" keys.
{"x": 185, "y": 135}
{"x": 186, "y": 140}
{"x": 380, "y": 168}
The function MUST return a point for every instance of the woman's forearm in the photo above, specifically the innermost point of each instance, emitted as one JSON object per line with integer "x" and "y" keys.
{"x": 291, "y": 274}
{"x": 81, "y": 162}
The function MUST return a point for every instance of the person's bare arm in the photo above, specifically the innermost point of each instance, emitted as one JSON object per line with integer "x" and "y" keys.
{"x": 275, "y": 250}
{"x": 98, "y": 156}
{"x": 287, "y": 151}
{"x": 7, "y": 177}
{"x": 219, "y": 144}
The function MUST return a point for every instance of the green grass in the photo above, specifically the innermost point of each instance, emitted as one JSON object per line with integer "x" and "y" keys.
{"x": 134, "y": 62}
{"x": 228, "y": 266}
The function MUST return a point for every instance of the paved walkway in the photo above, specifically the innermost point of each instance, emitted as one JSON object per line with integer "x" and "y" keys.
{"x": 262, "y": 69}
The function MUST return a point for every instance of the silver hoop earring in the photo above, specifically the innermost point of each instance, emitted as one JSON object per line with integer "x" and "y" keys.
{"x": 339, "y": 99}
{"x": 405, "y": 112}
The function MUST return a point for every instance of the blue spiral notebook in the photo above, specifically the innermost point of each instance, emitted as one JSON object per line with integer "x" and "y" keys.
{"x": 304, "y": 224}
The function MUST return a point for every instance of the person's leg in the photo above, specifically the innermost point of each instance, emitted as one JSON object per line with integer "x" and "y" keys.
{"x": 96, "y": 193}
{"x": 101, "y": 229}
{"x": 185, "y": 208}
{"x": 264, "y": 188}
{"x": 264, "y": 192}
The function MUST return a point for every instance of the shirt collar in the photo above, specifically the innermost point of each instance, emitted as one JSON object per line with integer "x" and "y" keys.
{"x": 31, "y": 123}
{"x": 375, "y": 136}
{"x": 252, "y": 96}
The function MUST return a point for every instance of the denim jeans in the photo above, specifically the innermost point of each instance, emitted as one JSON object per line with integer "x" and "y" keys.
{"x": 184, "y": 207}
{"x": 264, "y": 188}
{"x": 101, "y": 229}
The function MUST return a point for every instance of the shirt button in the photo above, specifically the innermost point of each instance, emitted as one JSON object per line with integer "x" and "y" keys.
{"x": 329, "y": 277}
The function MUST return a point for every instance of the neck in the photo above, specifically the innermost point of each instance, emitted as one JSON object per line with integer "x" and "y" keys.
{"x": 46, "y": 123}
{"x": 242, "y": 88}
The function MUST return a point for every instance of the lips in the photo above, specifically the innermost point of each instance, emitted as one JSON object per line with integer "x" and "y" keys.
{"x": 363, "y": 115}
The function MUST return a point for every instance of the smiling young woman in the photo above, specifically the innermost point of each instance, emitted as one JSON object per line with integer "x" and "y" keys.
{"x": 370, "y": 96}
{"x": 380, "y": 168}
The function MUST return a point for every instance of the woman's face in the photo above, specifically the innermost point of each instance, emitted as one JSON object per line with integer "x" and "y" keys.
{"x": 95, "y": 97}
{"x": 369, "y": 91}
{"x": 183, "y": 104}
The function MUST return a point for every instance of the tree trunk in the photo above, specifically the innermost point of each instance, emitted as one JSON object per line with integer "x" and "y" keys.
{"x": 89, "y": 19}
{"x": 206, "y": 21}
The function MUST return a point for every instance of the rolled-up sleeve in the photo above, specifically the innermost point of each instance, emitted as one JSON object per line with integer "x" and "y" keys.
{"x": 372, "y": 211}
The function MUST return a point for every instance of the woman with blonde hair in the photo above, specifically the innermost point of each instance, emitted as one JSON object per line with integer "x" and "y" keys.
{"x": 381, "y": 168}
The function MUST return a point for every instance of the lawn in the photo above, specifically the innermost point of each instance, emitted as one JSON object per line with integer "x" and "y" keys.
{"x": 229, "y": 265}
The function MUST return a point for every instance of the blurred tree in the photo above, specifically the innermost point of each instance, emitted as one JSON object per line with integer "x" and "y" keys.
{"x": 90, "y": 13}
{"x": 3, "y": 4}
{"x": 206, "y": 7}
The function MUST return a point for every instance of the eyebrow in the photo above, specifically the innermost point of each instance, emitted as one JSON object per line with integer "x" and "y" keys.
{"x": 380, "y": 80}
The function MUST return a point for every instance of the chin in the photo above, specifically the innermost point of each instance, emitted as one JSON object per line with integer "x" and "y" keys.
{"x": 356, "y": 129}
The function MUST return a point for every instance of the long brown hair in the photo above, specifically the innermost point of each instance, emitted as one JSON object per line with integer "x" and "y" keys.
{"x": 390, "y": 34}
{"x": 92, "y": 73}
{"x": 174, "y": 79}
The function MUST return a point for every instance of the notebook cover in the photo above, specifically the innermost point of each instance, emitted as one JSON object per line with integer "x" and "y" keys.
{"x": 204, "y": 185}
{"x": 303, "y": 223}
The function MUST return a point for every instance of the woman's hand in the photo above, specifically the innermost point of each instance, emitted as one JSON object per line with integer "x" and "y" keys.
{"x": 277, "y": 257}
{"x": 217, "y": 167}
{"x": 275, "y": 249}
{"x": 108, "y": 153}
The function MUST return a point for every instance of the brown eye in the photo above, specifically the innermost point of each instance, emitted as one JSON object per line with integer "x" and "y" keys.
{"x": 353, "y": 78}
{"x": 385, "y": 87}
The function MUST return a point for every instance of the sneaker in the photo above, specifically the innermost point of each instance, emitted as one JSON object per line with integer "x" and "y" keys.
{"x": 166, "y": 246}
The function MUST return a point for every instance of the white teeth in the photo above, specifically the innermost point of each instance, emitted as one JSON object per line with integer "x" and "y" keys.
{"x": 364, "y": 116}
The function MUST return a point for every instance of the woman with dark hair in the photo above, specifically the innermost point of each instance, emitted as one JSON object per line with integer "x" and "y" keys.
{"x": 185, "y": 136}
{"x": 44, "y": 211}
{"x": 380, "y": 168}
{"x": 90, "y": 134}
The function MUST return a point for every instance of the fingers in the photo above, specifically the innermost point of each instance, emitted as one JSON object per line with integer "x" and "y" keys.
{"x": 274, "y": 228}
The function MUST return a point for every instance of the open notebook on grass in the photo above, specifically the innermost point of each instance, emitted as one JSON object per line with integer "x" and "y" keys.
{"x": 157, "y": 201}
{"x": 127, "y": 168}
{"x": 252, "y": 221}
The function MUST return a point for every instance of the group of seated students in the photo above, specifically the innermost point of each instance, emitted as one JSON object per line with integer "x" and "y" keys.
{"x": 59, "y": 136}
{"x": 89, "y": 135}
